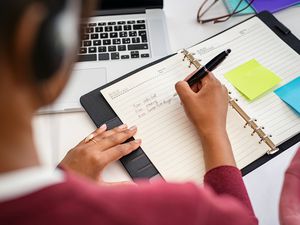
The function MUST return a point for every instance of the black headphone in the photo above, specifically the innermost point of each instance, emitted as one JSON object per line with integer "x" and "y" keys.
{"x": 57, "y": 38}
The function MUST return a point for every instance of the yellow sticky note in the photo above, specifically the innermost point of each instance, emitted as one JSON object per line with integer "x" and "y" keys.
{"x": 252, "y": 79}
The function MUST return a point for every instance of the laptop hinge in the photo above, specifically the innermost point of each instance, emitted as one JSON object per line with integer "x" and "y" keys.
{"x": 120, "y": 12}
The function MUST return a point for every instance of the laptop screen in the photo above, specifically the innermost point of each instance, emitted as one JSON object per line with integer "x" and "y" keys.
{"x": 126, "y": 4}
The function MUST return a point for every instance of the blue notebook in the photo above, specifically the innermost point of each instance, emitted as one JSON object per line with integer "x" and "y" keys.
{"x": 231, "y": 4}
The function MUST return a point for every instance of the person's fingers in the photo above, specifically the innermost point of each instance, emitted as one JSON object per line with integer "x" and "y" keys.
{"x": 101, "y": 129}
{"x": 209, "y": 78}
{"x": 117, "y": 152}
{"x": 189, "y": 76}
{"x": 117, "y": 138}
{"x": 184, "y": 91}
{"x": 113, "y": 131}
{"x": 195, "y": 87}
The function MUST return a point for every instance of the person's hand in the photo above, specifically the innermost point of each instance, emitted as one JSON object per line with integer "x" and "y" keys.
{"x": 92, "y": 155}
{"x": 205, "y": 104}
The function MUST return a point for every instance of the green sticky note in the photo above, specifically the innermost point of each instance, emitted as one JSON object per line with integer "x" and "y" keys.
{"x": 252, "y": 79}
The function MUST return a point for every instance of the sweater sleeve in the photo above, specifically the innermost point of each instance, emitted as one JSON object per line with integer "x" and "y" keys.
{"x": 289, "y": 208}
{"x": 227, "y": 180}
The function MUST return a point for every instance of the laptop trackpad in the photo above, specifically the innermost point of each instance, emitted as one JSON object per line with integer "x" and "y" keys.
{"x": 80, "y": 83}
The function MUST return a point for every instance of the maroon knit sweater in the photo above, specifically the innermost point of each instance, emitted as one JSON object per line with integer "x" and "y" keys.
{"x": 76, "y": 201}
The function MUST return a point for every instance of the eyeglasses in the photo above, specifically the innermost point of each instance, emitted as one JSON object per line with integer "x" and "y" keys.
{"x": 205, "y": 7}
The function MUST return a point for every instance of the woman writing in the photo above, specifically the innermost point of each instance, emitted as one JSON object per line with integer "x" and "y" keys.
{"x": 34, "y": 194}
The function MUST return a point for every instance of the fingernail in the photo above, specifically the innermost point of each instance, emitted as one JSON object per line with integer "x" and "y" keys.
{"x": 138, "y": 141}
{"x": 133, "y": 128}
{"x": 123, "y": 126}
{"x": 103, "y": 127}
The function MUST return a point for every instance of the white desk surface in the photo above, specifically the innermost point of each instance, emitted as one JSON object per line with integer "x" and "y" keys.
{"x": 56, "y": 134}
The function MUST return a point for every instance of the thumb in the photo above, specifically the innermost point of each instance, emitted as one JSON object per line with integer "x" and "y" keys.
{"x": 183, "y": 90}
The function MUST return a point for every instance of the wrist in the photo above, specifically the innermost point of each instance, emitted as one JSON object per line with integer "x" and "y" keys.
{"x": 212, "y": 134}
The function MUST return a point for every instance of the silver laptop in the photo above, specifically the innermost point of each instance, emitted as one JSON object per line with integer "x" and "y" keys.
{"x": 121, "y": 37}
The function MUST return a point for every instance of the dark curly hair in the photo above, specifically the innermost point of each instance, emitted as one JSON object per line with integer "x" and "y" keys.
{"x": 11, "y": 12}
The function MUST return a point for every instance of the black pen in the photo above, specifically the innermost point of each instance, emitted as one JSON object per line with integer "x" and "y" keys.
{"x": 208, "y": 67}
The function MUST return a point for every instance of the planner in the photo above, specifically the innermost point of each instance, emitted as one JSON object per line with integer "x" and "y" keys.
{"x": 258, "y": 129}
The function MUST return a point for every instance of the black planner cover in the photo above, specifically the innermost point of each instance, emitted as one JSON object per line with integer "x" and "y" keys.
{"x": 137, "y": 163}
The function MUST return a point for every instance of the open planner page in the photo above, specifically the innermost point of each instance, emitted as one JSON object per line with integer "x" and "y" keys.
{"x": 148, "y": 99}
{"x": 254, "y": 40}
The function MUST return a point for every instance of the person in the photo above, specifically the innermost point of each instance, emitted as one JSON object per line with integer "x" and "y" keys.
{"x": 31, "y": 193}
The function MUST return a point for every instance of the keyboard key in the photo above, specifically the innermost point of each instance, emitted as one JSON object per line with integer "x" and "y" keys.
{"x": 118, "y": 28}
{"x": 121, "y": 22}
{"x": 99, "y": 29}
{"x": 139, "y": 27}
{"x": 125, "y": 57}
{"x": 131, "y": 22}
{"x": 87, "y": 43}
{"x": 127, "y": 27}
{"x": 132, "y": 33}
{"x": 97, "y": 43}
{"x": 142, "y": 33}
{"x": 126, "y": 40}
{"x": 145, "y": 55}
{"x": 115, "y": 55}
{"x": 108, "y": 29}
{"x": 92, "y": 24}
{"x": 102, "y": 49}
{"x": 135, "y": 55}
{"x": 83, "y": 50}
{"x": 102, "y": 24}
{"x": 107, "y": 42}
{"x": 111, "y": 23}
{"x": 104, "y": 56}
{"x": 94, "y": 36}
{"x": 135, "y": 40}
{"x": 123, "y": 34}
{"x": 86, "y": 37}
{"x": 113, "y": 35}
{"x": 144, "y": 38}
{"x": 85, "y": 58}
{"x": 137, "y": 47}
{"x": 104, "y": 35}
{"x": 141, "y": 21}
{"x": 112, "y": 48}
{"x": 92, "y": 50}
{"x": 116, "y": 41}
{"x": 90, "y": 30}
{"x": 122, "y": 48}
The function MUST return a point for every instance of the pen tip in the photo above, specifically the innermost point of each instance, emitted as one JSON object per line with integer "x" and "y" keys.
{"x": 228, "y": 51}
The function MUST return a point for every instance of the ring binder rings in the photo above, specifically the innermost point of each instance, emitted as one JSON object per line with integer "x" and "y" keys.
{"x": 233, "y": 102}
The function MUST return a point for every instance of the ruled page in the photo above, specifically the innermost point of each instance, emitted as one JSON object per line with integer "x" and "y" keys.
{"x": 254, "y": 40}
{"x": 148, "y": 99}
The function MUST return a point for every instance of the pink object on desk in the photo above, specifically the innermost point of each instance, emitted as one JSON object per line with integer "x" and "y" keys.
{"x": 290, "y": 196}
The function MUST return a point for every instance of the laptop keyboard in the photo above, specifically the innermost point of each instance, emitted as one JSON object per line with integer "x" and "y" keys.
{"x": 117, "y": 40}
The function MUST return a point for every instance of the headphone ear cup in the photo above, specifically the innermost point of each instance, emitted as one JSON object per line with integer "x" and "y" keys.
{"x": 48, "y": 53}
{"x": 57, "y": 38}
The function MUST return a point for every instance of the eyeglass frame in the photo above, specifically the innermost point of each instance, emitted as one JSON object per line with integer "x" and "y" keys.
{"x": 218, "y": 19}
